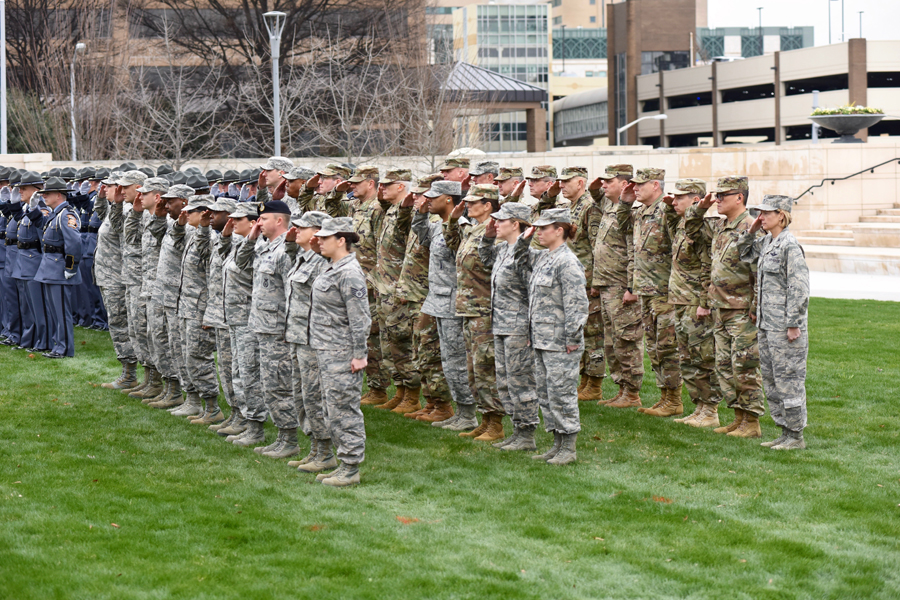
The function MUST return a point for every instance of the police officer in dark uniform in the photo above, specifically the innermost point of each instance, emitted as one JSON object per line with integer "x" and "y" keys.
{"x": 12, "y": 326}
{"x": 58, "y": 271}
{"x": 4, "y": 205}
{"x": 96, "y": 310}
{"x": 35, "y": 332}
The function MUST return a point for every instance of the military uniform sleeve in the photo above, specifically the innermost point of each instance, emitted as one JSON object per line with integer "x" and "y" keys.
{"x": 797, "y": 286}
{"x": 245, "y": 254}
{"x": 133, "y": 228}
{"x": 575, "y": 301}
{"x": 452, "y": 235}
{"x": 356, "y": 299}
{"x": 223, "y": 245}
{"x": 421, "y": 226}
{"x": 306, "y": 199}
{"x": 524, "y": 256}
{"x": 262, "y": 195}
{"x": 101, "y": 207}
{"x": 116, "y": 217}
{"x": 37, "y": 217}
{"x": 703, "y": 251}
{"x": 157, "y": 227}
{"x": 696, "y": 225}
{"x": 487, "y": 250}
{"x": 291, "y": 249}
{"x": 336, "y": 204}
{"x": 624, "y": 218}
{"x": 749, "y": 246}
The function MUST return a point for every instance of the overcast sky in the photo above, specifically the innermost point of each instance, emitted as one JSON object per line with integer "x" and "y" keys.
{"x": 880, "y": 19}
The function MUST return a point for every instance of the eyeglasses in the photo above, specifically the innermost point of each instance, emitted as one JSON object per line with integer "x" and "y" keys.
{"x": 725, "y": 195}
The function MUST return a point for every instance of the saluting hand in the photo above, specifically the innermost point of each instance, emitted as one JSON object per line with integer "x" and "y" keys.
{"x": 261, "y": 180}
{"x": 280, "y": 190}
{"x": 490, "y": 229}
{"x": 138, "y": 205}
{"x": 205, "y": 218}
{"x": 255, "y": 230}
{"x": 670, "y": 200}
{"x": 628, "y": 195}
{"x": 458, "y": 210}
{"x": 160, "y": 210}
{"x": 554, "y": 189}
{"x": 707, "y": 201}
{"x": 408, "y": 201}
{"x": 229, "y": 228}
{"x": 757, "y": 223}
{"x": 528, "y": 233}
{"x": 182, "y": 218}
{"x": 420, "y": 205}
{"x": 520, "y": 189}
{"x": 313, "y": 182}
{"x": 343, "y": 186}
{"x": 291, "y": 235}
{"x": 596, "y": 184}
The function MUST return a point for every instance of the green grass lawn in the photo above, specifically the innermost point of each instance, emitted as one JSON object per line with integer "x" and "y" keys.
{"x": 103, "y": 497}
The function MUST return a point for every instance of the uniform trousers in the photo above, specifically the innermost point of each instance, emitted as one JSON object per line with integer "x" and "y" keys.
{"x": 737, "y": 359}
{"x": 783, "y": 366}
{"x": 453, "y": 358}
{"x": 622, "y": 338}
{"x": 342, "y": 392}
{"x": 59, "y": 311}
{"x": 556, "y": 375}
{"x": 514, "y": 359}
{"x": 117, "y": 319}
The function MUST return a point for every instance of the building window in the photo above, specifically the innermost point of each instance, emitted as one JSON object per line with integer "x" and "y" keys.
{"x": 752, "y": 92}
{"x": 828, "y": 83}
{"x": 588, "y": 121}
{"x": 593, "y": 2}
{"x": 654, "y": 62}
{"x": 557, "y": 2}
{"x": 440, "y": 10}
{"x": 890, "y": 79}
{"x": 557, "y": 20}
{"x": 589, "y": 43}
{"x": 593, "y": 19}
{"x": 651, "y": 105}
{"x": 686, "y": 100}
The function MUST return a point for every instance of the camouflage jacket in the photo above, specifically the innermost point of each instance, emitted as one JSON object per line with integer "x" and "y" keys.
{"x": 131, "y": 250}
{"x": 613, "y": 250}
{"x": 652, "y": 245}
{"x": 586, "y": 214}
{"x": 108, "y": 256}
{"x": 557, "y": 296}
{"x": 300, "y": 280}
{"x": 783, "y": 289}
{"x": 367, "y": 217}
{"x": 731, "y": 280}
{"x": 271, "y": 264}
{"x": 215, "y": 306}
{"x": 340, "y": 317}
{"x": 689, "y": 281}
{"x": 413, "y": 284}
{"x": 391, "y": 248}
{"x": 441, "y": 298}
{"x": 334, "y": 203}
{"x": 509, "y": 288}
{"x": 168, "y": 272}
{"x": 237, "y": 285}
{"x": 148, "y": 231}
{"x": 194, "y": 293}
{"x": 473, "y": 277}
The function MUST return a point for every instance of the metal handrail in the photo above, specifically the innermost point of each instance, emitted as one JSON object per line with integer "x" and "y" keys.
{"x": 833, "y": 179}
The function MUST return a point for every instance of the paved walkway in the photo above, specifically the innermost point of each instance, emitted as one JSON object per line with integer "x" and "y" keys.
{"x": 853, "y": 286}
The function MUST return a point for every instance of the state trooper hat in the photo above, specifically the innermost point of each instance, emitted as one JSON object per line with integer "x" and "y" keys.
{"x": 278, "y": 163}
{"x": 68, "y": 173}
{"x": 438, "y": 188}
{"x": 513, "y": 210}
{"x": 148, "y": 171}
{"x": 131, "y": 178}
{"x": 179, "y": 191}
{"x": 423, "y": 184}
{"x": 55, "y": 184}
{"x": 689, "y": 186}
{"x": 54, "y": 172}
{"x": 199, "y": 202}
{"x": 30, "y": 178}
{"x": 197, "y": 181}
{"x": 572, "y": 172}
{"x": 509, "y": 173}
{"x": 245, "y": 209}
{"x": 613, "y": 171}
{"x": 179, "y": 178}
{"x": 155, "y": 184}
{"x": 273, "y": 207}
{"x": 14, "y": 177}
{"x": 4, "y": 173}
{"x": 649, "y": 174}
{"x": 86, "y": 173}
{"x": 553, "y": 215}
{"x": 100, "y": 174}
{"x": 250, "y": 175}
{"x": 126, "y": 166}
{"x": 772, "y": 202}
{"x": 312, "y": 218}
{"x": 299, "y": 173}
{"x": 486, "y": 166}
{"x": 213, "y": 175}
{"x": 164, "y": 170}
{"x": 230, "y": 176}
{"x": 541, "y": 171}
{"x": 336, "y": 225}
{"x": 224, "y": 204}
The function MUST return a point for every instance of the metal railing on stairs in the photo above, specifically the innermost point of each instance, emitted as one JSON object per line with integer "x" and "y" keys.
{"x": 835, "y": 179}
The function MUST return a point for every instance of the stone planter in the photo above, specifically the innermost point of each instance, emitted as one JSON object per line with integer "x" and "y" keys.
{"x": 847, "y": 126}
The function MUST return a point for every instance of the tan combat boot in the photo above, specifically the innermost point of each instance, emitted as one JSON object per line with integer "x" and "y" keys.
{"x": 698, "y": 409}
{"x": 373, "y": 396}
{"x": 672, "y": 405}
{"x": 114, "y": 384}
{"x": 485, "y": 421}
{"x": 395, "y": 401}
{"x": 663, "y": 399}
{"x": 411, "y": 402}
{"x": 738, "y": 417}
{"x": 442, "y": 411}
{"x": 708, "y": 418}
{"x": 749, "y": 427}
{"x": 494, "y": 430}
{"x": 153, "y": 389}
{"x": 628, "y": 399}
{"x": 429, "y": 406}
{"x": 592, "y": 390}
{"x": 582, "y": 383}
{"x": 615, "y": 398}
{"x": 141, "y": 386}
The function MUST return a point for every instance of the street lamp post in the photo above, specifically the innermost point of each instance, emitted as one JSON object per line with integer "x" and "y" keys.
{"x": 843, "y": 30}
{"x": 79, "y": 47}
{"x": 860, "y": 23}
{"x": 761, "y": 50}
{"x": 622, "y": 130}
{"x": 274, "y": 21}
{"x": 829, "y": 19}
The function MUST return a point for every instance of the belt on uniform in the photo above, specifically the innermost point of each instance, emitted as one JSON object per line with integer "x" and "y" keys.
{"x": 48, "y": 249}
{"x": 93, "y": 229}
{"x": 29, "y": 245}
{"x": 11, "y": 241}
{"x": 2, "y": 235}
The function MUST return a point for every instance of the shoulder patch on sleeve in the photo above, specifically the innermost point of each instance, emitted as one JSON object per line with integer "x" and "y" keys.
{"x": 358, "y": 292}
{"x": 72, "y": 221}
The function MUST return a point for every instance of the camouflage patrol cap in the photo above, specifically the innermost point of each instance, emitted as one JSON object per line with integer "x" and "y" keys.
{"x": 689, "y": 186}
{"x": 485, "y": 166}
{"x": 770, "y": 202}
{"x": 438, "y": 188}
{"x": 224, "y": 204}
{"x": 201, "y": 202}
{"x": 541, "y": 171}
{"x": 514, "y": 210}
{"x": 312, "y": 218}
{"x": 131, "y": 178}
{"x": 395, "y": 175}
{"x": 304, "y": 173}
{"x": 154, "y": 184}
{"x": 245, "y": 209}
{"x": 508, "y": 173}
{"x": 649, "y": 174}
{"x": 278, "y": 163}
{"x": 179, "y": 190}
{"x": 482, "y": 191}
{"x": 112, "y": 178}
{"x": 570, "y": 172}
{"x": 732, "y": 183}
{"x": 335, "y": 170}
{"x": 613, "y": 171}
{"x": 454, "y": 163}
{"x": 335, "y": 225}
{"x": 423, "y": 184}
{"x": 364, "y": 172}
{"x": 553, "y": 215}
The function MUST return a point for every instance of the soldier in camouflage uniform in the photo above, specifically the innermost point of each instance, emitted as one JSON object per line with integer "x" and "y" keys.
{"x": 238, "y": 293}
{"x": 611, "y": 282}
{"x": 731, "y": 297}
{"x": 513, "y": 354}
{"x": 197, "y": 342}
{"x": 339, "y": 325}
{"x": 688, "y": 293}
{"x": 271, "y": 176}
{"x": 412, "y": 288}
{"x": 507, "y": 181}
{"x": 441, "y": 300}
{"x": 306, "y": 379}
{"x": 540, "y": 181}
{"x": 484, "y": 173}
{"x": 145, "y": 232}
{"x": 782, "y": 304}
{"x": 108, "y": 275}
{"x": 296, "y": 180}
{"x": 473, "y": 303}
{"x": 650, "y": 225}
{"x": 271, "y": 264}
{"x": 456, "y": 169}
{"x": 326, "y": 191}
{"x": 557, "y": 312}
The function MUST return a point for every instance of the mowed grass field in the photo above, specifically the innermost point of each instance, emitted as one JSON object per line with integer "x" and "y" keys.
{"x": 102, "y": 497}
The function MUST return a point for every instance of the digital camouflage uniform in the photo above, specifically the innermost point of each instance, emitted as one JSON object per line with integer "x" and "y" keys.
{"x": 339, "y": 326}
{"x": 782, "y": 302}
{"x": 513, "y": 353}
{"x": 473, "y": 304}
{"x": 557, "y": 311}
{"x": 652, "y": 268}
{"x": 731, "y": 296}
{"x": 613, "y": 274}
{"x": 135, "y": 304}
{"x": 688, "y": 290}
{"x": 168, "y": 280}
{"x": 214, "y": 316}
